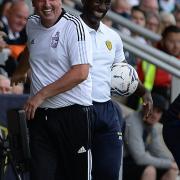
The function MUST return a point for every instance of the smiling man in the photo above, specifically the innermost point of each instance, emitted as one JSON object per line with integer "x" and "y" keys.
{"x": 59, "y": 107}
{"x": 107, "y": 50}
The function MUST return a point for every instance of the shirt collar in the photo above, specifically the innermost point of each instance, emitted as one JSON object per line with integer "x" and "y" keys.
{"x": 13, "y": 35}
{"x": 100, "y": 29}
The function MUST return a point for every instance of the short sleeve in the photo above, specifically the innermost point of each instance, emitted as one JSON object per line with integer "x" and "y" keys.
{"x": 119, "y": 52}
{"x": 79, "y": 43}
{"x": 27, "y": 31}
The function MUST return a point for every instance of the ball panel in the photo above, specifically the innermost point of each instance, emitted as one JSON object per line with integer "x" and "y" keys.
{"x": 124, "y": 79}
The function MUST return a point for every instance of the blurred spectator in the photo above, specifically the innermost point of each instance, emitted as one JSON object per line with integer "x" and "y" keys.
{"x": 177, "y": 17}
{"x": 70, "y": 3}
{"x": 107, "y": 21}
{"x": 166, "y": 19}
{"x": 138, "y": 17}
{"x": 145, "y": 158}
{"x": 16, "y": 21}
{"x": 152, "y": 22}
{"x": 149, "y": 6}
{"x": 122, "y": 7}
{"x": 157, "y": 79}
{"x": 133, "y": 2}
{"x": 5, "y": 87}
{"x": 4, "y": 8}
{"x": 167, "y": 5}
{"x": 16, "y": 35}
{"x": 170, "y": 44}
{"x": 2, "y": 42}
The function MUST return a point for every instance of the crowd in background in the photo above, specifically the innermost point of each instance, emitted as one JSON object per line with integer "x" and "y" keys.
{"x": 161, "y": 17}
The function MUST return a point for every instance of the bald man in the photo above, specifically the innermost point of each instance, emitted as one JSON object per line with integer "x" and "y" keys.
{"x": 5, "y": 87}
{"x": 17, "y": 18}
{"x": 15, "y": 29}
{"x": 149, "y": 6}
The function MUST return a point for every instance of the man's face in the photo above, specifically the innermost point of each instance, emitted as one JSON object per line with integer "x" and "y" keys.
{"x": 155, "y": 117}
{"x": 17, "y": 17}
{"x": 138, "y": 18}
{"x": 149, "y": 6}
{"x": 172, "y": 44}
{"x": 96, "y": 9}
{"x": 48, "y": 10}
{"x": 5, "y": 86}
{"x": 153, "y": 24}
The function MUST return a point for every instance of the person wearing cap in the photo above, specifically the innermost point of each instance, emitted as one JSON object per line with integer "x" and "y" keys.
{"x": 145, "y": 158}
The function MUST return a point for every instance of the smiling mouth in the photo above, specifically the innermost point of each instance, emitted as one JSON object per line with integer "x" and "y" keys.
{"x": 98, "y": 14}
{"x": 47, "y": 12}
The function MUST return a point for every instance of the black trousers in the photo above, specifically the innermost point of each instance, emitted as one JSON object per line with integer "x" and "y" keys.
{"x": 60, "y": 143}
{"x": 171, "y": 129}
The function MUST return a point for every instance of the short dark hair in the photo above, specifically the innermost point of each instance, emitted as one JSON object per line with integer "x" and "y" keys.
{"x": 137, "y": 8}
{"x": 159, "y": 102}
{"x": 170, "y": 29}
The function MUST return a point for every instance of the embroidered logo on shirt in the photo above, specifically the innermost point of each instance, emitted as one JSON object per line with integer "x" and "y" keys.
{"x": 55, "y": 40}
{"x": 109, "y": 45}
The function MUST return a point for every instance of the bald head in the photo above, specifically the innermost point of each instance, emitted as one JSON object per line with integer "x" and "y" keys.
{"x": 5, "y": 87}
{"x": 17, "y": 16}
{"x": 149, "y": 6}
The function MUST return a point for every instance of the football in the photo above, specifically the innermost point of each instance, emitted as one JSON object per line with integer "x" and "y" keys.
{"x": 124, "y": 79}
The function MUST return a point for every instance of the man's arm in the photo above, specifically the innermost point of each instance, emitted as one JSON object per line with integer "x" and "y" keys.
{"x": 69, "y": 80}
{"x": 73, "y": 77}
{"x": 142, "y": 92}
{"x": 79, "y": 53}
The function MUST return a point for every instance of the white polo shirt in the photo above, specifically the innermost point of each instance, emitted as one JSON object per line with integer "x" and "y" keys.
{"x": 107, "y": 50}
{"x": 53, "y": 51}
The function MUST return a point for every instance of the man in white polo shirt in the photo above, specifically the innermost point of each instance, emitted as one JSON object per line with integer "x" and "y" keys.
{"x": 60, "y": 103}
{"x": 107, "y": 50}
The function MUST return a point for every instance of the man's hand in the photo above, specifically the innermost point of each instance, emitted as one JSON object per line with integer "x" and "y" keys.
{"x": 32, "y": 104}
{"x": 147, "y": 104}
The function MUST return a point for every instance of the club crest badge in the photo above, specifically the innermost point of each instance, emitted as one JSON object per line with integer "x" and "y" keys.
{"x": 109, "y": 45}
{"x": 55, "y": 40}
